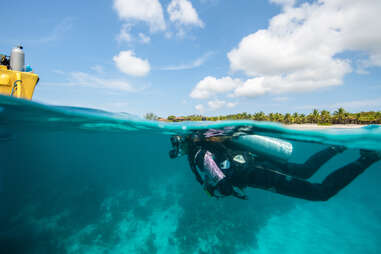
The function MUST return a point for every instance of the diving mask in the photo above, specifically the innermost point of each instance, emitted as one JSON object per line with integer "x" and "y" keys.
{"x": 177, "y": 151}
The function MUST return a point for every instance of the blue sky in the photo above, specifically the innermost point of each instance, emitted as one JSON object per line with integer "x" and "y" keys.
{"x": 205, "y": 56}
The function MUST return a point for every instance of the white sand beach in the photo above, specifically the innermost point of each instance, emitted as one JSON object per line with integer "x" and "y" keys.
{"x": 309, "y": 126}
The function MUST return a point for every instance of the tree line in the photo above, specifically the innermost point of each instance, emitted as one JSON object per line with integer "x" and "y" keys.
{"x": 323, "y": 117}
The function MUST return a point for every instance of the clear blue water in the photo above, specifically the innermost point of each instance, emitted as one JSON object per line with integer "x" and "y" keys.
{"x": 76, "y": 180}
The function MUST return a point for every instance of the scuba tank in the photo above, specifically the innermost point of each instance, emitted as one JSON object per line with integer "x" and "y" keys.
{"x": 271, "y": 148}
{"x": 17, "y": 59}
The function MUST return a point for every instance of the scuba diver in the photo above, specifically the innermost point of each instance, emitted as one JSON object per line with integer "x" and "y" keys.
{"x": 223, "y": 170}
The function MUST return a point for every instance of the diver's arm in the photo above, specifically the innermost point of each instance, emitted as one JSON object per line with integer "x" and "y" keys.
{"x": 216, "y": 183}
{"x": 192, "y": 164}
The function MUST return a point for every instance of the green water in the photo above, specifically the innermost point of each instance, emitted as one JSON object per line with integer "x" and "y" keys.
{"x": 76, "y": 180}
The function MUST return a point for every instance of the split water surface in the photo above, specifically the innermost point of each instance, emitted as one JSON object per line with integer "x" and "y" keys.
{"x": 75, "y": 180}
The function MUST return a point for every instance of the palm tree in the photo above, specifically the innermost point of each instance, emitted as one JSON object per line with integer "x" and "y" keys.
{"x": 325, "y": 116}
{"x": 302, "y": 118}
{"x": 339, "y": 115}
{"x": 287, "y": 118}
{"x": 314, "y": 116}
{"x": 151, "y": 116}
{"x": 271, "y": 117}
{"x": 259, "y": 116}
{"x": 171, "y": 118}
{"x": 295, "y": 118}
{"x": 279, "y": 117}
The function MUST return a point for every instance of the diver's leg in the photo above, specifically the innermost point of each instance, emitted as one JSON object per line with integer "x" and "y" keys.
{"x": 299, "y": 188}
{"x": 341, "y": 177}
{"x": 312, "y": 165}
{"x": 283, "y": 184}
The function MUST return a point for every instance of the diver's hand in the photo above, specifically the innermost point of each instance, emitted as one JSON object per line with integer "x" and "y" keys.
{"x": 244, "y": 197}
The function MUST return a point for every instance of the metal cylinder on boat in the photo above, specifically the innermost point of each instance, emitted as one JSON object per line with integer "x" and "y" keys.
{"x": 17, "y": 59}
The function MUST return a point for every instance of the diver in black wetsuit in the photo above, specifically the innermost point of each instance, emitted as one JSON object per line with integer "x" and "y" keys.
{"x": 224, "y": 171}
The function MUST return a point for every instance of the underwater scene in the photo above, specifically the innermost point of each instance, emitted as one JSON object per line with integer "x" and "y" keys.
{"x": 77, "y": 180}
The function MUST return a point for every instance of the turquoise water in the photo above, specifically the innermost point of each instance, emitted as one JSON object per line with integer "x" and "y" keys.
{"x": 77, "y": 180}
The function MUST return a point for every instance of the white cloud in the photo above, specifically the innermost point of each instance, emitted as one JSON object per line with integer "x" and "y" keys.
{"x": 298, "y": 51}
{"x": 124, "y": 34}
{"x": 296, "y": 82}
{"x": 231, "y": 104}
{"x": 280, "y": 99}
{"x": 214, "y": 2}
{"x": 149, "y": 11}
{"x": 210, "y": 86}
{"x": 85, "y": 79}
{"x": 197, "y": 63}
{"x": 98, "y": 69}
{"x": 57, "y": 32}
{"x": 285, "y": 3}
{"x": 91, "y": 80}
{"x": 128, "y": 63}
{"x": 251, "y": 88}
{"x": 144, "y": 38}
{"x": 216, "y": 104}
{"x": 60, "y": 72}
{"x": 182, "y": 12}
{"x": 366, "y": 104}
{"x": 369, "y": 103}
{"x": 200, "y": 108}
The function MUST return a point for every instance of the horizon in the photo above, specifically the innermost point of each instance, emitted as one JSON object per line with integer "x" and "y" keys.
{"x": 206, "y": 57}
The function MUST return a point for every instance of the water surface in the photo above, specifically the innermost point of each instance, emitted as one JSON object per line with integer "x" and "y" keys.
{"x": 77, "y": 180}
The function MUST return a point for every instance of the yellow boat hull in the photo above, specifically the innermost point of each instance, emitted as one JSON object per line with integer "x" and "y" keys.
{"x": 17, "y": 84}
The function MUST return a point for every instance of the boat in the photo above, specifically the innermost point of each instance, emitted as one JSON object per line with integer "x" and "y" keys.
{"x": 16, "y": 79}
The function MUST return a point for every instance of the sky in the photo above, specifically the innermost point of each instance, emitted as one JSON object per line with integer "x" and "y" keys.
{"x": 210, "y": 57}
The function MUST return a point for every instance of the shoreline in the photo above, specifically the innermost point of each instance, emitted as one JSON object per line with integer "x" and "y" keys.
{"x": 310, "y": 126}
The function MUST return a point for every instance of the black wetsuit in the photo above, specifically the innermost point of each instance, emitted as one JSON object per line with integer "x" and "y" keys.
{"x": 283, "y": 178}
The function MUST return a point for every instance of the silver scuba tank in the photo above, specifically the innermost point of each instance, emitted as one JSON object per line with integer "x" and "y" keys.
{"x": 17, "y": 59}
{"x": 272, "y": 148}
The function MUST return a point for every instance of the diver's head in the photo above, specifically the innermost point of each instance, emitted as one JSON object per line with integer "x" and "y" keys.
{"x": 179, "y": 147}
